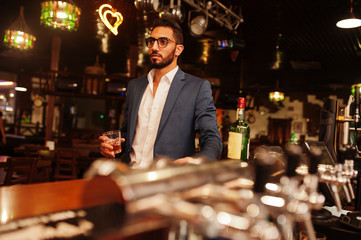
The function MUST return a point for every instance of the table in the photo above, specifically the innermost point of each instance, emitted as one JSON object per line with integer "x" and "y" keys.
{"x": 3, "y": 160}
{"x": 3, "y": 166}
{"x": 24, "y": 201}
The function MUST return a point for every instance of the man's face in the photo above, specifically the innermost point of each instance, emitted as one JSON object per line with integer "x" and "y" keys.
{"x": 162, "y": 57}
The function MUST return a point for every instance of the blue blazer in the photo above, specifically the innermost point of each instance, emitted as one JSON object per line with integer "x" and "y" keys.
{"x": 189, "y": 109}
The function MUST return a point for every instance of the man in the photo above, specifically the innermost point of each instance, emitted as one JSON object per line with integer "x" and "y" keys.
{"x": 165, "y": 109}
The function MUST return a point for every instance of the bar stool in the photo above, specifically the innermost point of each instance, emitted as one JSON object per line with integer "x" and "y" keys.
{"x": 65, "y": 164}
{"x": 20, "y": 170}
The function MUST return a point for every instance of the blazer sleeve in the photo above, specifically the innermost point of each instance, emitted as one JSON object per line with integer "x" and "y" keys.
{"x": 124, "y": 128}
{"x": 206, "y": 123}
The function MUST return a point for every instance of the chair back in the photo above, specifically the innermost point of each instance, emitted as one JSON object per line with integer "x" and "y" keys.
{"x": 32, "y": 150}
{"x": 20, "y": 170}
{"x": 65, "y": 163}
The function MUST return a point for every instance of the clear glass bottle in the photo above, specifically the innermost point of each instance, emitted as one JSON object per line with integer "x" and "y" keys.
{"x": 239, "y": 132}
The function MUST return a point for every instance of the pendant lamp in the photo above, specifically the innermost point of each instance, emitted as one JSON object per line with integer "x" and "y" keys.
{"x": 276, "y": 96}
{"x": 64, "y": 15}
{"x": 18, "y": 35}
{"x": 350, "y": 21}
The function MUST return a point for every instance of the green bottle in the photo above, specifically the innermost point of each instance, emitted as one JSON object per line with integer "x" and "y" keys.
{"x": 239, "y": 132}
{"x": 293, "y": 138}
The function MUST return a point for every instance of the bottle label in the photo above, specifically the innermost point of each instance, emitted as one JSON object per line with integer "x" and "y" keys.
{"x": 234, "y": 145}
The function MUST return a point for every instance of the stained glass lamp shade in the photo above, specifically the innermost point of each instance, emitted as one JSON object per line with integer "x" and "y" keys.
{"x": 60, "y": 15}
{"x": 18, "y": 35}
{"x": 276, "y": 96}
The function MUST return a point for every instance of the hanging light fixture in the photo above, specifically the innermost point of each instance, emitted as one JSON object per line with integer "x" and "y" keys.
{"x": 276, "y": 96}
{"x": 198, "y": 25}
{"x": 60, "y": 15}
{"x": 18, "y": 35}
{"x": 350, "y": 21}
{"x": 148, "y": 5}
{"x": 173, "y": 12}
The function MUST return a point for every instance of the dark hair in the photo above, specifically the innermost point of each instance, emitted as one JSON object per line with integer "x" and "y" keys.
{"x": 177, "y": 30}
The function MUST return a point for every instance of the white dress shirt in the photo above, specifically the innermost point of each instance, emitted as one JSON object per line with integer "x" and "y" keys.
{"x": 150, "y": 112}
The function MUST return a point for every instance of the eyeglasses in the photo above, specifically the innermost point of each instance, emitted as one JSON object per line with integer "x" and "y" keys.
{"x": 162, "y": 42}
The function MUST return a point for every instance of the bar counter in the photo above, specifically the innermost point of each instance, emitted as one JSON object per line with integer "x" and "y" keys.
{"x": 26, "y": 201}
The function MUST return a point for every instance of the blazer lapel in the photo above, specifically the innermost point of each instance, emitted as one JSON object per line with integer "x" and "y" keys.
{"x": 137, "y": 98}
{"x": 174, "y": 90}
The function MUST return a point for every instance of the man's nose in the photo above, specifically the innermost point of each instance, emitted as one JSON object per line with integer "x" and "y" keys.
{"x": 155, "y": 45}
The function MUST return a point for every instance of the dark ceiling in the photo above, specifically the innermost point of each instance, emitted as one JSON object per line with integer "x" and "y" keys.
{"x": 315, "y": 55}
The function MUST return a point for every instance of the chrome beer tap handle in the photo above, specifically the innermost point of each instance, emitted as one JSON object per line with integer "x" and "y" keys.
{"x": 342, "y": 180}
{"x": 350, "y": 173}
{"x": 328, "y": 176}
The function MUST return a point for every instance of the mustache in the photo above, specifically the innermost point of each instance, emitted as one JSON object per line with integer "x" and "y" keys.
{"x": 155, "y": 53}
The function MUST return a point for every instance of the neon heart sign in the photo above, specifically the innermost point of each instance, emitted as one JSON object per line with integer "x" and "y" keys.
{"x": 106, "y": 9}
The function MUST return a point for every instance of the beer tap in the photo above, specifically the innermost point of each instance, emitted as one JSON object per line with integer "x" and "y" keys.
{"x": 304, "y": 196}
{"x": 343, "y": 178}
{"x": 349, "y": 171}
{"x": 171, "y": 191}
{"x": 357, "y": 106}
{"x": 343, "y": 154}
{"x": 281, "y": 203}
{"x": 332, "y": 176}
{"x": 311, "y": 180}
{"x": 345, "y": 120}
{"x": 299, "y": 199}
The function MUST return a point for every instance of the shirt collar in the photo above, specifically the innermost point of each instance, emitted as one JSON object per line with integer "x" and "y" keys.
{"x": 170, "y": 75}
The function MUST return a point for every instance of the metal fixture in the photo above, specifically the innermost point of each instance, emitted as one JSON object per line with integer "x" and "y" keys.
{"x": 173, "y": 12}
{"x": 148, "y": 5}
{"x": 198, "y": 25}
{"x": 224, "y": 16}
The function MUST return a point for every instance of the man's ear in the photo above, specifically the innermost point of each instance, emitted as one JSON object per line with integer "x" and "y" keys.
{"x": 179, "y": 49}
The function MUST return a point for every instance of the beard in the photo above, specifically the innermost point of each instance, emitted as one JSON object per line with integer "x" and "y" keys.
{"x": 165, "y": 61}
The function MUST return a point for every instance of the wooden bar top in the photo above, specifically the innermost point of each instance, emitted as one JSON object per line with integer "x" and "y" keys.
{"x": 27, "y": 201}
{"x": 21, "y": 201}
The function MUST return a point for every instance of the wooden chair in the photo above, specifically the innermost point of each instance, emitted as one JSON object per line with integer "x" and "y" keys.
{"x": 44, "y": 165}
{"x": 65, "y": 164}
{"x": 20, "y": 170}
{"x": 32, "y": 150}
{"x": 43, "y": 169}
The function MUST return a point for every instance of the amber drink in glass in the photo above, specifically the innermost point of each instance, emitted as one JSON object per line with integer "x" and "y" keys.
{"x": 113, "y": 138}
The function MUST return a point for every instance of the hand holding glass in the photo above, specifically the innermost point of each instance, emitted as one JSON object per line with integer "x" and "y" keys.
{"x": 113, "y": 138}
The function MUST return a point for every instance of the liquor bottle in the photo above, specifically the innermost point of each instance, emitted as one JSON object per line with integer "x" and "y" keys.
{"x": 293, "y": 139}
{"x": 238, "y": 140}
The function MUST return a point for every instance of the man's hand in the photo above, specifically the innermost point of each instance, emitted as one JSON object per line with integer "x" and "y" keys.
{"x": 191, "y": 160}
{"x": 183, "y": 161}
{"x": 106, "y": 149}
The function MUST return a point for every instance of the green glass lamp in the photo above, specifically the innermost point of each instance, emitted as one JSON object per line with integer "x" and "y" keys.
{"x": 276, "y": 96}
{"x": 64, "y": 15}
{"x": 18, "y": 35}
